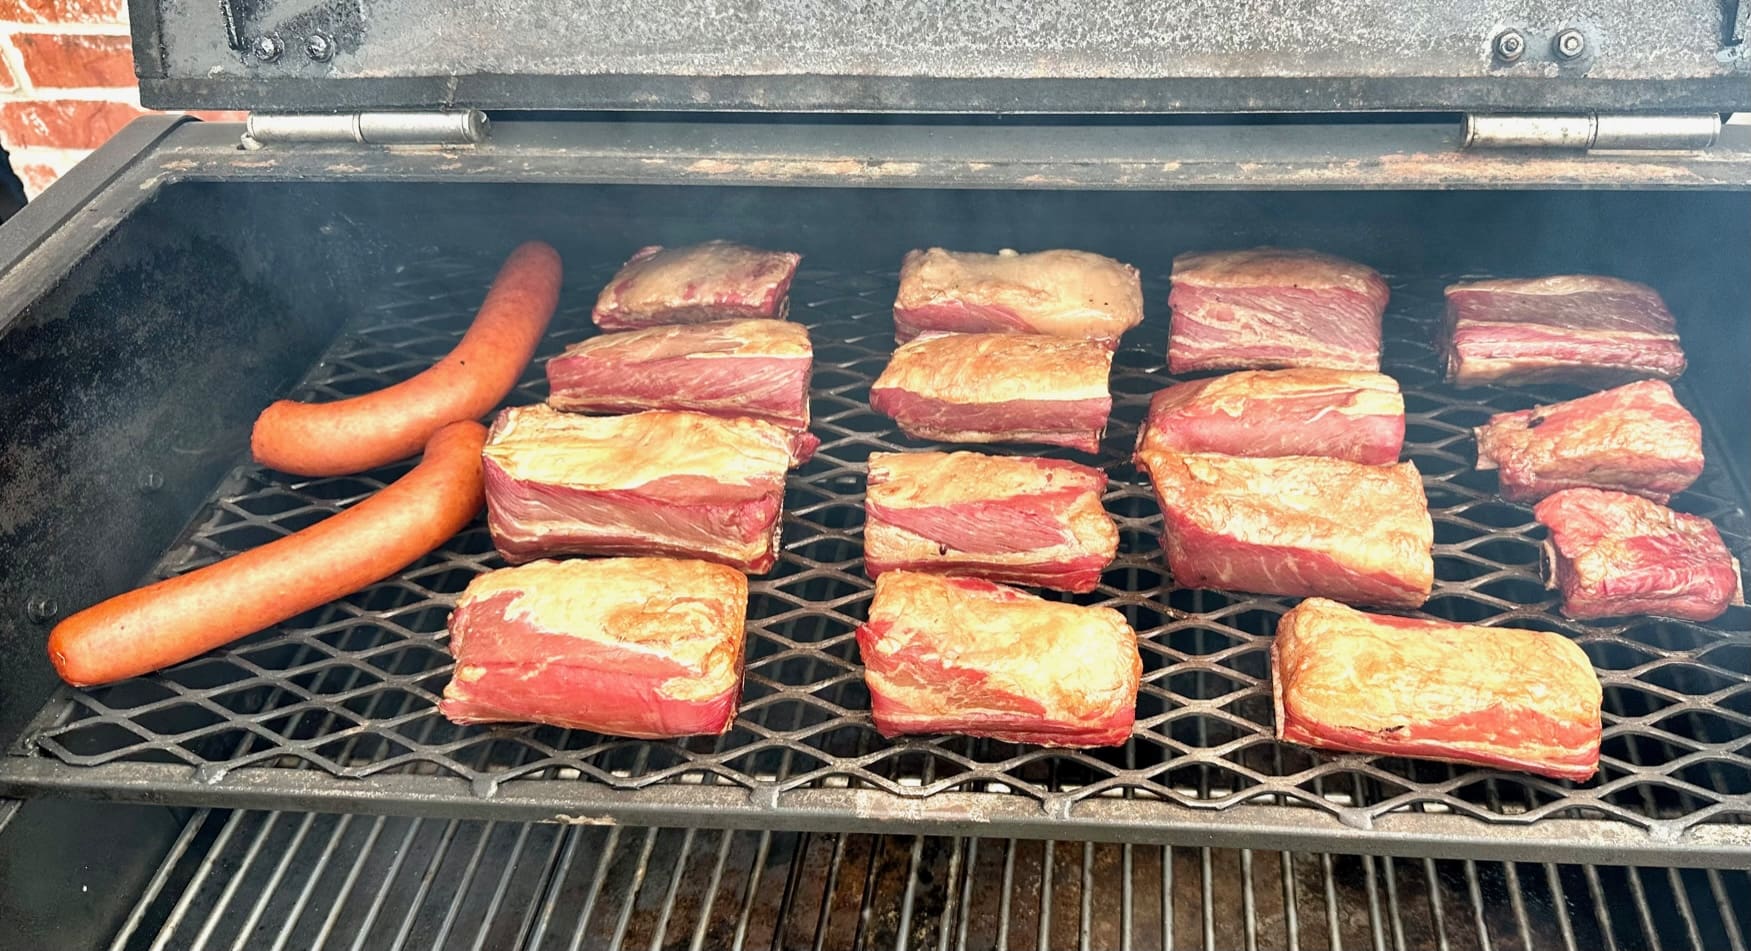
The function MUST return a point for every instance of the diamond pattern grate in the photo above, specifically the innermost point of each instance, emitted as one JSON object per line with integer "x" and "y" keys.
{"x": 348, "y": 691}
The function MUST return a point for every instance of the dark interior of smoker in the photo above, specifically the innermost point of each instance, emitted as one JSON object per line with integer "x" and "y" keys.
{"x": 131, "y": 387}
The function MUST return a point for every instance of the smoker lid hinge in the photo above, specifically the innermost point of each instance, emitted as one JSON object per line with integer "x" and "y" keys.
{"x": 461, "y": 127}
{"x": 1592, "y": 131}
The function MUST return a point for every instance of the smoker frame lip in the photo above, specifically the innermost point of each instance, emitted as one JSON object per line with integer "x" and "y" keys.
{"x": 985, "y": 815}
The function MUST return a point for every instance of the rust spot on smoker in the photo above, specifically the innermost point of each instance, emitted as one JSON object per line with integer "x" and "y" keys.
{"x": 343, "y": 167}
{"x": 784, "y": 168}
{"x": 564, "y": 819}
{"x": 1583, "y": 169}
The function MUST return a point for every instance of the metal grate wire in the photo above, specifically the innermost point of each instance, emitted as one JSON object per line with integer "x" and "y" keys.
{"x": 247, "y": 879}
{"x": 341, "y": 700}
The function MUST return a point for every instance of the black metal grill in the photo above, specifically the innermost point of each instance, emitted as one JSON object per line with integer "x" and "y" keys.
{"x": 335, "y": 709}
{"x": 282, "y": 880}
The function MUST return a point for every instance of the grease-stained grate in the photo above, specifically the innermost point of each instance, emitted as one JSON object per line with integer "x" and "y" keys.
{"x": 335, "y": 709}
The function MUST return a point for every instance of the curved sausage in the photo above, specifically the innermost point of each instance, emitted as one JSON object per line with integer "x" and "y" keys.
{"x": 353, "y": 435}
{"x": 186, "y": 616}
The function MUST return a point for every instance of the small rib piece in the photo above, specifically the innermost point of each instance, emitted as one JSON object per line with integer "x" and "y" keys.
{"x": 1345, "y": 414}
{"x": 1270, "y": 307}
{"x": 1613, "y": 554}
{"x": 1058, "y": 293}
{"x": 1585, "y": 329}
{"x": 717, "y": 280}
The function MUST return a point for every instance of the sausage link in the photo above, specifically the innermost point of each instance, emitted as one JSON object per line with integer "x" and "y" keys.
{"x": 353, "y": 435}
{"x": 186, "y": 616}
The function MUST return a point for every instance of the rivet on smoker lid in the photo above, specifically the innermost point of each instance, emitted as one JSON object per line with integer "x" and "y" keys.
{"x": 319, "y": 47}
{"x": 267, "y": 48}
{"x": 151, "y": 480}
{"x": 1569, "y": 43}
{"x": 42, "y": 610}
{"x": 1510, "y": 45}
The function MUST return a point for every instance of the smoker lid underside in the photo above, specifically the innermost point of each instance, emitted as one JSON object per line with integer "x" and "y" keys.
{"x": 1107, "y": 56}
{"x": 335, "y": 710}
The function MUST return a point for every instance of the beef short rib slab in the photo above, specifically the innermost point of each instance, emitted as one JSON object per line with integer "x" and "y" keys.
{"x": 1270, "y": 307}
{"x": 1002, "y": 518}
{"x": 757, "y": 368}
{"x": 1569, "y": 329}
{"x": 717, "y": 280}
{"x": 1345, "y": 414}
{"x": 1635, "y": 438}
{"x": 961, "y": 655}
{"x": 652, "y": 483}
{"x": 1490, "y": 696}
{"x": 985, "y": 388}
{"x": 1059, "y": 293}
{"x": 1295, "y": 525}
{"x": 644, "y": 647}
{"x": 1613, "y": 554}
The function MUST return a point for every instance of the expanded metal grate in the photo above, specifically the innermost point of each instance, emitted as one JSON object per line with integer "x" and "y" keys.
{"x": 335, "y": 709}
{"x": 304, "y": 880}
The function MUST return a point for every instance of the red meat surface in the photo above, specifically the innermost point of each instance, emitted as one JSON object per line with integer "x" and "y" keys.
{"x": 1295, "y": 525}
{"x": 1576, "y": 329}
{"x": 644, "y": 647}
{"x": 717, "y": 280}
{"x": 1489, "y": 696}
{"x": 962, "y": 655}
{"x": 1613, "y": 554}
{"x": 1002, "y": 518}
{"x": 1635, "y": 438}
{"x": 1060, "y": 293}
{"x": 1345, "y": 414}
{"x": 757, "y": 368}
{"x": 652, "y": 483}
{"x": 1270, "y": 307}
{"x": 983, "y": 388}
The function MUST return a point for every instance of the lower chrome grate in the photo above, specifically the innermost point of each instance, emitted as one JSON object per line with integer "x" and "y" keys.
{"x": 334, "y": 710}
{"x": 293, "y": 881}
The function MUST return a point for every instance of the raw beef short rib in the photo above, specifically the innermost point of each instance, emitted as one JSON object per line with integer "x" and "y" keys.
{"x": 757, "y": 368}
{"x": 1002, "y": 518}
{"x": 643, "y": 647}
{"x": 1635, "y": 438}
{"x": 1488, "y": 696}
{"x": 983, "y": 388}
{"x": 962, "y": 655}
{"x": 1270, "y": 307}
{"x": 1583, "y": 329}
{"x": 1345, "y": 414}
{"x": 1295, "y": 525}
{"x": 652, "y": 483}
{"x": 717, "y": 280}
{"x": 1613, "y": 554}
{"x": 1059, "y": 293}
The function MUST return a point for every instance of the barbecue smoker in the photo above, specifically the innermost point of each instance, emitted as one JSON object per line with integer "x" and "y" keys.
{"x": 298, "y": 789}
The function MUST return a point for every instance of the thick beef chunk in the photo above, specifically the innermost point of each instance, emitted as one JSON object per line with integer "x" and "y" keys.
{"x": 1576, "y": 329}
{"x": 652, "y": 483}
{"x": 1345, "y": 414}
{"x": 982, "y": 388}
{"x": 647, "y": 647}
{"x": 1490, "y": 696}
{"x": 1613, "y": 554}
{"x": 1269, "y": 307}
{"x": 1295, "y": 525}
{"x": 1002, "y": 518}
{"x": 961, "y": 655}
{"x": 717, "y": 280}
{"x": 757, "y": 368}
{"x": 1637, "y": 438}
{"x": 1059, "y": 293}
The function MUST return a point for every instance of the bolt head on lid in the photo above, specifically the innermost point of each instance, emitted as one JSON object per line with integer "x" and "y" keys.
{"x": 267, "y": 48}
{"x": 1510, "y": 45}
{"x": 1569, "y": 44}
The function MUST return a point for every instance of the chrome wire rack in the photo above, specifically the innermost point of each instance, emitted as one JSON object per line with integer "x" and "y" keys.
{"x": 335, "y": 710}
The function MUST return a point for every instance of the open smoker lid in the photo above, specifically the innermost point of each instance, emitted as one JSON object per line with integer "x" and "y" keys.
{"x": 1074, "y": 56}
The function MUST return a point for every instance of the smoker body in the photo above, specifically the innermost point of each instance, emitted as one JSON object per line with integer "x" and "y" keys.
{"x": 176, "y": 283}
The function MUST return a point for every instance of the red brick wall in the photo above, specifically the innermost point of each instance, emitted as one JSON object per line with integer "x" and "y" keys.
{"x": 66, "y": 83}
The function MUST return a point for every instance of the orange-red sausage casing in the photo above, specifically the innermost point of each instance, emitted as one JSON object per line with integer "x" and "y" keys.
{"x": 353, "y": 435}
{"x": 186, "y": 616}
